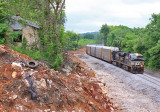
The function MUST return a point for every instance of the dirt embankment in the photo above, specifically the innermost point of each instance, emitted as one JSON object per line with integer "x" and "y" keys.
{"x": 48, "y": 90}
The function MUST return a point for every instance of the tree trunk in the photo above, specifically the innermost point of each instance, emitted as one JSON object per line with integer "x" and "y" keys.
{"x": 105, "y": 40}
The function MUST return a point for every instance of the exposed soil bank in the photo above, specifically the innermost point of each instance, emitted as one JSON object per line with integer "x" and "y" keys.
{"x": 50, "y": 90}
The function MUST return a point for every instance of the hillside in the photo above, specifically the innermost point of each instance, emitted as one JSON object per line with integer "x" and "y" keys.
{"x": 94, "y": 33}
{"x": 38, "y": 88}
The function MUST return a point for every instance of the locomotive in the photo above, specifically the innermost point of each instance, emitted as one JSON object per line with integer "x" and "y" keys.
{"x": 132, "y": 62}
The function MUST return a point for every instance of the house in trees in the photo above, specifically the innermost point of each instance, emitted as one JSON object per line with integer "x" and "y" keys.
{"x": 23, "y": 29}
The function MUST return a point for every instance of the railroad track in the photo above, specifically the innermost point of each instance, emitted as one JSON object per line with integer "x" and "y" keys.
{"x": 151, "y": 79}
{"x": 147, "y": 78}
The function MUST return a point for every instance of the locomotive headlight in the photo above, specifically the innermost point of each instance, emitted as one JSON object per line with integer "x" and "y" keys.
{"x": 141, "y": 65}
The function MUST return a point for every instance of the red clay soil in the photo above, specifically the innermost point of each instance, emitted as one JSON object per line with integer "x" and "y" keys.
{"x": 76, "y": 92}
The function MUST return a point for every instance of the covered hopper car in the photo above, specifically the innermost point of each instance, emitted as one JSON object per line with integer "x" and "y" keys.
{"x": 132, "y": 62}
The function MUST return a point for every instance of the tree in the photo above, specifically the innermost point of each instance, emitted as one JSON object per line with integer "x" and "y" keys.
{"x": 58, "y": 16}
{"x": 3, "y": 25}
{"x": 128, "y": 42}
{"x": 50, "y": 15}
{"x": 154, "y": 60}
{"x": 105, "y": 31}
{"x": 72, "y": 40}
{"x": 98, "y": 38}
{"x": 88, "y": 36}
{"x": 117, "y": 34}
{"x": 152, "y": 42}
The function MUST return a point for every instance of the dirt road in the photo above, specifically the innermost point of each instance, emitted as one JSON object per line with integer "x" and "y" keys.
{"x": 134, "y": 92}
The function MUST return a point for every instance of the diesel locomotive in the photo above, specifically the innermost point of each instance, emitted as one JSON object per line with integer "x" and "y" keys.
{"x": 132, "y": 62}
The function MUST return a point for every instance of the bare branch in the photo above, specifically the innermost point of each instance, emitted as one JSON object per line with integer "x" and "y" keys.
{"x": 52, "y": 5}
{"x": 62, "y": 6}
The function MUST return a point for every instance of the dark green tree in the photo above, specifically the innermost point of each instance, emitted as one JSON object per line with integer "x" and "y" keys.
{"x": 88, "y": 36}
{"x": 117, "y": 34}
{"x": 152, "y": 42}
{"x": 154, "y": 60}
{"x": 72, "y": 40}
{"x": 98, "y": 38}
{"x": 104, "y": 31}
{"x": 3, "y": 25}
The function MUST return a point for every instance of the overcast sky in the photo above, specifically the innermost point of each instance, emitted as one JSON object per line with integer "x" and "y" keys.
{"x": 90, "y": 15}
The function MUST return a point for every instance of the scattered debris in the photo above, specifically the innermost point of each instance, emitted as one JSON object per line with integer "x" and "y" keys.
{"x": 14, "y": 74}
{"x": 33, "y": 86}
{"x": 31, "y": 63}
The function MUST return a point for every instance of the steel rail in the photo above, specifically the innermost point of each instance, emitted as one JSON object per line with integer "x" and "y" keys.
{"x": 150, "y": 79}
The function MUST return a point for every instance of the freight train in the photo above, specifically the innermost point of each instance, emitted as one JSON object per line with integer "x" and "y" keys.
{"x": 132, "y": 62}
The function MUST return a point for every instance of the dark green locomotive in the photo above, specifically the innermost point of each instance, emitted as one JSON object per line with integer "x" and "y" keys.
{"x": 132, "y": 62}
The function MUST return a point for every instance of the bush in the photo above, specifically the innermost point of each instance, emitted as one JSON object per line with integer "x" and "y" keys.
{"x": 3, "y": 29}
{"x": 84, "y": 42}
{"x": 31, "y": 53}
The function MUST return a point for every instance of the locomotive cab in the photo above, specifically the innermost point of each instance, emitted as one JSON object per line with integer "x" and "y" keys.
{"x": 136, "y": 57}
{"x": 137, "y": 63}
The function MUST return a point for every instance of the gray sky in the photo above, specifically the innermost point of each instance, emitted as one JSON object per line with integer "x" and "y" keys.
{"x": 89, "y": 15}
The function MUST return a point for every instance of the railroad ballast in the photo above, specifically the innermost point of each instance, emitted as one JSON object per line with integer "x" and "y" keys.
{"x": 132, "y": 62}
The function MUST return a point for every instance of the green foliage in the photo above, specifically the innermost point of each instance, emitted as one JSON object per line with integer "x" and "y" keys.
{"x": 104, "y": 31}
{"x": 3, "y": 12}
{"x": 13, "y": 36}
{"x": 3, "y": 29}
{"x": 152, "y": 42}
{"x": 24, "y": 43}
{"x": 53, "y": 39}
{"x": 88, "y": 36}
{"x": 26, "y": 49}
{"x": 32, "y": 53}
{"x": 141, "y": 40}
{"x": 98, "y": 38}
{"x": 84, "y": 42}
{"x": 128, "y": 42}
{"x": 3, "y": 26}
{"x": 58, "y": 60}
{"x": 117, "y": 34}
{"x": 72, "y": 40}
{"x": 154, "y": 60}
{"x": 51, "y": 21}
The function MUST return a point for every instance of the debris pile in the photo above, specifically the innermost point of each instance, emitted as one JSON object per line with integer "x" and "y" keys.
{"x": 29, "y": 85}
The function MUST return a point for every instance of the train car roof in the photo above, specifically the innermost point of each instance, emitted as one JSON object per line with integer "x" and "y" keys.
{"x": 90, "y": 45}
{"x": 99, "y": 46}
{"x": 104, "y": 47}
{"x": 112, "y": 48}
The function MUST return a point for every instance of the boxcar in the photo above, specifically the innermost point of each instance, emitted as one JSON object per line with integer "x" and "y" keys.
{"x": 102, "y": 52}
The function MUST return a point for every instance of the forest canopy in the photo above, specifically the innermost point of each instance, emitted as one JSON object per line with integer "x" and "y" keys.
{"x": 136, "y": 40}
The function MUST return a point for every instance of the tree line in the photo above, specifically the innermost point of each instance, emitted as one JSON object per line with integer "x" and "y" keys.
{"x": 134, "y": 40}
